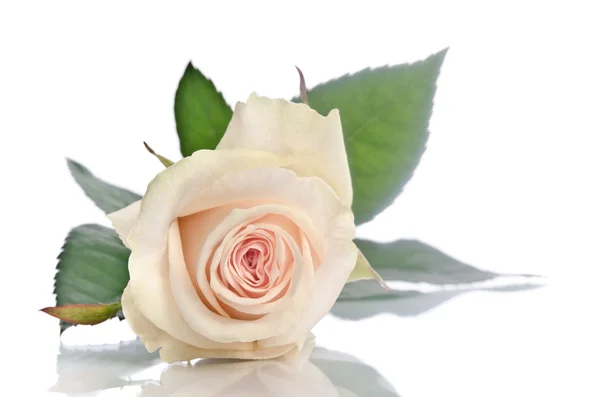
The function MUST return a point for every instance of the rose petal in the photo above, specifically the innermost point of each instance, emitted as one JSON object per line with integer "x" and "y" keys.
{"x": 329, "y": 281}
{"x": 272, "y": 300}
{"x": 172, "y": 350}
{"x": 193, "y": 230}
{"x": 313, "y": 143}
{"x": 212, "y": 325}
{"x": 235, "y": 271}
{"x": 124, "y": 220}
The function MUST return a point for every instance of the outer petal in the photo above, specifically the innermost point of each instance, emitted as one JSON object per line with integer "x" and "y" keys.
{"x": 330, "y": 278}
{"x": 177, "y": 351}
{"x": 124, "y": 220}
{"x": 173, "y": 350}
{"x": 313, "y": 144}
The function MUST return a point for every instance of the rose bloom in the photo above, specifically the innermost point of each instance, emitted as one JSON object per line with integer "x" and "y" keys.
{"x": 238, "y": 252}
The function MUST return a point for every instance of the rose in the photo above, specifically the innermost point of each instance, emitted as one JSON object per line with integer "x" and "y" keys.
{"x": 238, "y": 252}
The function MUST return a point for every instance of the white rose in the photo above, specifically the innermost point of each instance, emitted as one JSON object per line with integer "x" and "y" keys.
{"x": 238, "y": 252}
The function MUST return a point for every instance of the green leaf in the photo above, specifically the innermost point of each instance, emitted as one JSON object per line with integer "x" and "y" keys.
{"x": 385, "y": 115}
{"x": 201, "y": 113}
{"x": 84, "y": 314}
{"x": 107, "y": 197}
{"x": 414, "y": 261}
{"x": 92, "y": 267}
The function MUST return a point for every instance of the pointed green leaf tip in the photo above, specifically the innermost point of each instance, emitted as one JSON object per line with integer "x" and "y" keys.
{"x": 201, "y": 113}
{"x": 109, "y": 198}
{"x": 84, "y": 314}
{"x": 385, "y": 117}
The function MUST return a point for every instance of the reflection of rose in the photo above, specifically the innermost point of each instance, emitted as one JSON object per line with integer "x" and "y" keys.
{"x": 85, "y": 369}
{"x": 238, "y": 252}
{"x": 289, "y": 375}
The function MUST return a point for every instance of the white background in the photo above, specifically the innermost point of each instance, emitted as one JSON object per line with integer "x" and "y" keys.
{"x": 510, "y": 180}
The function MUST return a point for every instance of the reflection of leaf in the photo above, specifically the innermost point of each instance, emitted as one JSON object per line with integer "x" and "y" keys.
{"x": 88, "y": 369}
{"x": 370, "y": 290}
{"x": 351, "y": 376}
{"x": 365, "y": 299}
{"x": 414, "y": 261}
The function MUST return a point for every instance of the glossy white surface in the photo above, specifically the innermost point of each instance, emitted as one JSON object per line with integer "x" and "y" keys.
{"x": 509, "y": 183}
{"x": 480, "y": 343}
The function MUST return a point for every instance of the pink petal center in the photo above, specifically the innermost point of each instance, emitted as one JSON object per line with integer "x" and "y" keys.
{"x": 256, "y": 263}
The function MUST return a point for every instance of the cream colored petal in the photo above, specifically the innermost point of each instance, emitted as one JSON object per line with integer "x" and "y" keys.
{"x": 172, "y": 350}
{"x": 196, "y": 314}
{"x": 214, "y": 326}
{"x": 124, "y": 220}
{"x": 178, "y": 351}
{"x": 364, "y": 271}
{"x": 329, "y": 278}
{"x": 152, "y": 336}
{"x": 313, "y": 144}
{"x": 277, "y": 185}
{"x": 193, "y": 230}
{"x": 166, "y": 316}
{"x": 329, "y": 281}
{"x": 169, "y": 194}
